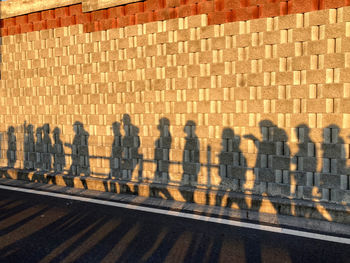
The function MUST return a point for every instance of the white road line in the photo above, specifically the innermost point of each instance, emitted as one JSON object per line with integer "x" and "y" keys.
{"x": 273, "y": 229}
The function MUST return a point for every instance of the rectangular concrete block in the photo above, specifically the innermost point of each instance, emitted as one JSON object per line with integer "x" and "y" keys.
{"x": 328, "y": 181}
{"x": 316, "y": 47}
{"x": 278, "y": 189}
{"x": 335, "y": 30}
{"x": 288, "y": 21}
{"x": 322, "y": 17}
{"x": 341, "y": 196}
{"x": 196, "y": 21}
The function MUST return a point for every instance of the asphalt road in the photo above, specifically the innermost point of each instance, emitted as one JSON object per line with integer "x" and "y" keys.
{"x": 37, "y": 228}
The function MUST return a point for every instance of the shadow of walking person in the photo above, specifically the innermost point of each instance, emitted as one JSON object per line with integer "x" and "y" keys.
{"x": 306, "y": 165}
{"x": 272, "y": 164}
{"x": 281, "y": 161}
{"x": 161, "y": 157}
{"x": 1, "y": 144}
{"x": 266, "y": 150}
{"x": 39, "y": 153}
{"x": 315, "y": 185}
{"x": 38, "y": 149}
{"x": 305, "y": 159}
{"x": 11, "y": 147}
{"x": 11, "y": 152}
{"x": 190, "y": 160}
{"x": 59, "y": 158}
{"x": 117, "y": 152}
{"x": 80, "y": 151}
{"x": 334, "y": 159}
{"x": 29, "y": 147}
{"x": 131, "y": 145}
{"x": 232, "y": 166}
{"x": 263, "y": 175}
{"x": 80, "y": 154}
{"x": 334, "y": 170}
{"x": 47, "y": 148}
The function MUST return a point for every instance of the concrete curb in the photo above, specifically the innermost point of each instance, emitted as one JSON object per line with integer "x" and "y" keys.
{"x": 239, "y": 206}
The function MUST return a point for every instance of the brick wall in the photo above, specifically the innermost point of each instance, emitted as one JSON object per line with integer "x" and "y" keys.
{"x": 257, "y": 106}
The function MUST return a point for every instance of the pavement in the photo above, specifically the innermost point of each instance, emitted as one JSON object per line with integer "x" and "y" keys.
{"x": 47, "y": 228}
{"x": 307, "y": 224}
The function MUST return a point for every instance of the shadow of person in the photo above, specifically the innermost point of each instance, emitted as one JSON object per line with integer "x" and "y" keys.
{"x": 265, "y": 148}
{"x": 11, "y": 147}
{"x": 11, "y": 152}
{"x": 305, "y": 162}
{"x": 190, "y": 160}
{"x": 117, "y": 152}
{"x": 273, "y": 160}
{"x": 334, "y": 159}
{"x": 232, "y": 165}
{"x": 80, "y": 154}
{"x": 281, "y": 165}
{"x": 1, "y": 143}
{"x": 29, "y": 147}
{"x": 305, "y": 159}
{"x": 38, "y": 176}
{"x": 47, "y": 148}
{"x": 334, "y": 169}
{"x": 281, "y": 160}
{"x": 271, "y": 170}
{"x": 80, "y": 151}
{"x": 209, "y": 167}
{"x": 59, "y": 158}
{"x": 131, "y": 144}
{"x": 161, "y": 157}
{"x": 38, "y": 149}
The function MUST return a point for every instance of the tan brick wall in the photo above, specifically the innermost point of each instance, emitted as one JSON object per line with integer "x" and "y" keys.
{"x": 288, "y": 74}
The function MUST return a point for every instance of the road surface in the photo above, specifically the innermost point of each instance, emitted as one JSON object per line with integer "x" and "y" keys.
{"x": 37, "y": 228}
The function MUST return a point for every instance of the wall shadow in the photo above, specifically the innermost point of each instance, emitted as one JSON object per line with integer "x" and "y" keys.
{"x": 272, "y": 176}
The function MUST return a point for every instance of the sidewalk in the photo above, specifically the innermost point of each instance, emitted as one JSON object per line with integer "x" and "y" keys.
{"x": 300, "y": 223}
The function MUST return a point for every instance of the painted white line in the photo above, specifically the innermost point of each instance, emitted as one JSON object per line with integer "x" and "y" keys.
{"x": 273, "y": 229}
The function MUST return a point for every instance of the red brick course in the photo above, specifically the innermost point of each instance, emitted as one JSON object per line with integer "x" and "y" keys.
{"x": 34, "y": 17}
{"x": 218, "y": 11}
